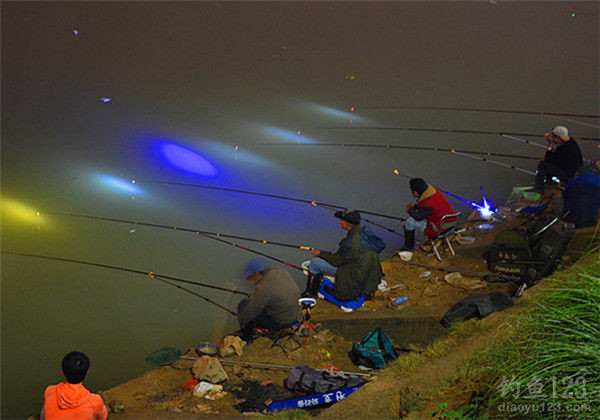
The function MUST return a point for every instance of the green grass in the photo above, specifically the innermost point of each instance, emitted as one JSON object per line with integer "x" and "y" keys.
{"x": 549, "y": 369}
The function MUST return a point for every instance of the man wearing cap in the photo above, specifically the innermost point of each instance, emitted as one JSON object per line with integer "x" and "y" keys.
{"x": 562, "y": 160}
{"x": 273, "y": 304}
{"x": 426, "y": 214}
{"x": 356, "y": 268}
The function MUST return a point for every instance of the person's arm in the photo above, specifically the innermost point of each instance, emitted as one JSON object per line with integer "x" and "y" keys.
{"x": 256, "y": 304}
{"x": 100, "y": 411}
{"x": 347, "y": 252}
{"x": 420, "y": 213}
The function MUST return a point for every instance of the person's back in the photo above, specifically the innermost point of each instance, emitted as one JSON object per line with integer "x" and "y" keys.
{"x": 582, "y": 199}
{"x": 70, "y": 400}
{"x": 67, "y": 401}
{"x": 283, "y": 294}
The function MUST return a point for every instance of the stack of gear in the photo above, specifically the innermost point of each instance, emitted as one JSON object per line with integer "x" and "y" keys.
{"x": 531, "y": 254}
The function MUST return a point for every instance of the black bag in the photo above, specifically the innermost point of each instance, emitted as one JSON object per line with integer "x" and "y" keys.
{"x": 510, "y": 253}
{"x": 478, "y": 306}
{"x": 531, "y": 254}
{"x": 303, "y": 379}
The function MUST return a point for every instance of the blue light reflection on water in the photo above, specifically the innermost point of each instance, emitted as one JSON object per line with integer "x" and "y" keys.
{"x": 118, "y": 184}
{"x": 186, "y": 159}
{"x": 291, "y": 136}
{"x": 336, "y": 113}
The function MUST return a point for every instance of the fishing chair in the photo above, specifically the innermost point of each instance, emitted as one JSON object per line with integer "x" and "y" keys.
{"x": 446, "y": 229}
{"x": 290, "y": 332}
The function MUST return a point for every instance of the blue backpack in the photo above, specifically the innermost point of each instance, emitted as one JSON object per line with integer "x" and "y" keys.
{"x": 374, "y": 351}
{"x": 370, "y": 240}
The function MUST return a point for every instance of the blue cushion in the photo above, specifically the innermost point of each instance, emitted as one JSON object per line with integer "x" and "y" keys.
{"x": 350, "y": 304}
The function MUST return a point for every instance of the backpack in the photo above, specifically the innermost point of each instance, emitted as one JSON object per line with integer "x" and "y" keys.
{"x": 374, "y": 351}
{"x": 368, "y": 239}
{"x": 303, "y": 379}
{"x": 478, "y": 306}
{"x": 531, "y": 254}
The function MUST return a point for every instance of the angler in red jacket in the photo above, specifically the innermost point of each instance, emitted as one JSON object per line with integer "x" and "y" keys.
{"x": 426, "y": 214}
{"x": 70, "y": 400}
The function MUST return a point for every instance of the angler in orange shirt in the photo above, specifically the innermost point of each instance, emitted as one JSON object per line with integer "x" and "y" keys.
{"x": 70, "y": 400}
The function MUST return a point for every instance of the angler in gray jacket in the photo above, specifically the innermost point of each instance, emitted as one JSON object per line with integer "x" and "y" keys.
{"x": 273, "y": 304}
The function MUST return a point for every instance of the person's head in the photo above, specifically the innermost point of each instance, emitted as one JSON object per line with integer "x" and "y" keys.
{"x": 417, "y": 186}
{"x": 558, "y": 135}
{"x": 75, "y": 366}
{"x": 348, "y": 218}
{"x": 255, "y": 268}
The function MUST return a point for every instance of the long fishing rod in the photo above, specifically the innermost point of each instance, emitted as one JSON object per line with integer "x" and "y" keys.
{"x": 252, "y": 251}
{"x": 437, "y": 130}
{"x": 534, "y": 144}
{"x": 495, "y": 162}
{"x": 155, "y": 225}
{"x": 159, "y": 277}
{"x": 390, "y": 146}
{"x": 505, "y": 111}
{"x": 280, "y": 197}
{"x": 504, "y": 278}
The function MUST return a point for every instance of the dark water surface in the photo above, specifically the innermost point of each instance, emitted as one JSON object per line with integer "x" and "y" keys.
{"x": 208, "y": 77}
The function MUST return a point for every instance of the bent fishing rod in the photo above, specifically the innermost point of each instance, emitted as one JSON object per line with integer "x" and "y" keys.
{"x": 437, "y": 130}
{"x": 489, "y": 110}
{"x": 181, "y": 229}
{"x": 280, "y": 197}
{"x": 391, "y": 146}
{"x": 159, "y": 277}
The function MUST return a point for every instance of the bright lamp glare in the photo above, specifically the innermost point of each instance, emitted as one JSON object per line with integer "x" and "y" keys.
{"x": 187, "y": 160}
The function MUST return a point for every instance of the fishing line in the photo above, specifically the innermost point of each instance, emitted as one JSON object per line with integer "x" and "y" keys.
{"x": 438, "y": 130}
{"x": 135, "y": 222}
{"x": 280, "y": 197}
{"x": 389, "y": 146}
{"x": 159, "y": 277}
{"x": 505, "y": 111}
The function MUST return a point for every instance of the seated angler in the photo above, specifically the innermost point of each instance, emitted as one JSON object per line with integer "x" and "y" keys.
{"x": 562, "y": 160}
{"x": 426, "y": 214}
{"x": 273, "y": 304}
{"x": 356, "y": 268}
{"x": 581, "y": 197}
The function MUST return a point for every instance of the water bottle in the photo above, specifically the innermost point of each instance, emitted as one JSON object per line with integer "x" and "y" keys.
{"x": 400, "y": 300}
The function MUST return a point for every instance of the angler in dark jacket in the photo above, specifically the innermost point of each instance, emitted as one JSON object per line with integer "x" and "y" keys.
{"x": 562, "y": 160}
{"x": 274, "y": 303}
{"x": 357, "y": 268}
{"x": 582, "y": 198}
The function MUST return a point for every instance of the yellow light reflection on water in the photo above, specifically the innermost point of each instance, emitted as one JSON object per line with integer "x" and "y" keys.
{"x": 16, "y": 211}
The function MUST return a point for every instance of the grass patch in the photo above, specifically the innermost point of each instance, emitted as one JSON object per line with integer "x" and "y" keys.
{"x": 549, "y": 367}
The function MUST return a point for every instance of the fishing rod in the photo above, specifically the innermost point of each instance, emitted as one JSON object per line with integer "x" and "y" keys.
{"x": 159, "y": 277}
{"x": 505, "y": 111}
{"x": 389, "y": 146}
{"x": 535, "y": 144}
{"x": 155, "y": 225}
{"x": 503, "y": 278}
{"x": 271, "y": 366}
{"x": 495, "y": 162}
{"x": 280, "y": 197}
{"x": 252, "y": 251}
{"x": 438, "y": 130}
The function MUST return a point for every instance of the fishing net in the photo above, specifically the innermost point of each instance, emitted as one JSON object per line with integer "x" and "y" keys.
{"x": 164, "y": 356}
